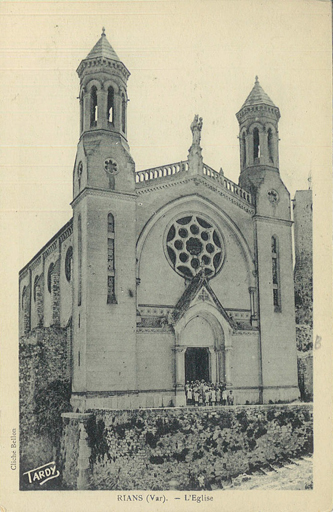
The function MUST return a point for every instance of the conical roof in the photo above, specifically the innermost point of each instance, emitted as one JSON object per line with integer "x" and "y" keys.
{"x": 103, "y": 49}
{"x": 257, "y": 96}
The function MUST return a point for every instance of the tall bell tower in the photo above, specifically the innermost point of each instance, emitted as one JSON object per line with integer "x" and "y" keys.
{"x": 259, "y": 174}
{"x": 104, "y": 212}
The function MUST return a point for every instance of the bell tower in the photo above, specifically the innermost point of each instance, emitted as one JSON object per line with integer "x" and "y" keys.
{"x": 259, "y": 174}
{"x": 103, "y": 122}
{"x": 258, "y": 137}
{"x": 104, "y": 212}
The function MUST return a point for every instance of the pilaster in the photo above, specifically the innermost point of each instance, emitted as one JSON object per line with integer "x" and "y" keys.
{"x": 180, "y": 376}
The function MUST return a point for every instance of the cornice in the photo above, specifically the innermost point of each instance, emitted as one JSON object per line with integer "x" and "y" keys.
{"x": 256, "y": 109}
{"x": 36, "y": 263}
{"x": 95, "y": 191}
{"x": 203, "y": 181}
{"x": 248, "y": 332}
{"x": 100, "y": 63}
{"x": 50, "y": 249}
{"x": 155, "y": 330}
{"x": 67, "y": 233}
{"x": 263, "y": 218}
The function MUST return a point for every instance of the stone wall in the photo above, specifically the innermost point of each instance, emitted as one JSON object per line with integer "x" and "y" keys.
{"x": 305, "y": 375}
{"x": 44, "y": 394}
{"x": 303, "y": 279}
{"x": 146, "y": 449}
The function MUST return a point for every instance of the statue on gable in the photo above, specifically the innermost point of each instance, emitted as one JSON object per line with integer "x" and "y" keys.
{"x": 196, "y": 128}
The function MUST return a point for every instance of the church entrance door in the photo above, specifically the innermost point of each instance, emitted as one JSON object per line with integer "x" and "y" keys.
{"x": 196, "y": 364}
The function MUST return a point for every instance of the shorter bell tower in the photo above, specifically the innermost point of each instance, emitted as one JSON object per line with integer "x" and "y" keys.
{"x": 259, "y": 174}
{"x": 258, "y": 137}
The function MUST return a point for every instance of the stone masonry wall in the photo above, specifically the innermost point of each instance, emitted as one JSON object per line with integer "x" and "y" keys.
{"x": 44, "y": 394}
{"x": 199, "y": 448}
{"x": 303, "y": 281}
{"x": 55, "y": 285}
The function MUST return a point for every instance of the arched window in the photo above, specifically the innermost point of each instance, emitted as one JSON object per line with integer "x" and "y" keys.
{"x": 93, "y": 106}
{"x": 79, "y": 174}
{"x": 26, "y": 309}
{"x": 123, "y": 113}
{"x": 110, "y": 223}
{"x": 35, "y": 287}
{"x": 69, "y": 264}
{"x": 49, "y": 277}
{"x": 270, "y": 145}
{"x": 275, "y": 274}
{"x": 244, "y": 149}
{"x": 256, "y": 144}
{"x": 111, "y": 292}
{"x": 24, "y": 295}
{"x": 79, "y": 244}
{"x": 110, "y": 108}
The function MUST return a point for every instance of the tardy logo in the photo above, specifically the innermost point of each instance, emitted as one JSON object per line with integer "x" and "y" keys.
{"x": 43, "y": 473}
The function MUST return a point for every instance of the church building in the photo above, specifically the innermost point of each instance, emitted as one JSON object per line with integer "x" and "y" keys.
{"x": 171, "y": 274}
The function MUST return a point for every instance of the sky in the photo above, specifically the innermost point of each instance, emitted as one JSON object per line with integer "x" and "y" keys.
{"x": 185, "y": 58}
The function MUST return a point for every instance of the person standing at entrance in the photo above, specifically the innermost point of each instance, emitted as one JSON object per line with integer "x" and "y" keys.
{"x": 207, "y": 395}
{"x": 187, "y": 392}
{"x": 224, "y": 397}
{"x": 213, "y": 395}
{"x": 191, "y": 393}
{"x": 196, "y": 396}
{"x": 219, "y": 395}
{"x": 230, "y": 398}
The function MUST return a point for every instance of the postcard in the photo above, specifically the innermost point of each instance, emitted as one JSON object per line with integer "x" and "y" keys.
{"x": 166, "y": 208}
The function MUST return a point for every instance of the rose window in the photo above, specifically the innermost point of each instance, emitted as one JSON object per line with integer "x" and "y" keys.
{"x": 193, "y": 244}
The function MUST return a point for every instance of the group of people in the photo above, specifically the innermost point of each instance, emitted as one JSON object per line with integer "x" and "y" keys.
{"x": 201, "y": 393}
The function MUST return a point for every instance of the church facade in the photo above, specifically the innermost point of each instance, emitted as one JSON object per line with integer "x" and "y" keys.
{"x": 170, "y": 274}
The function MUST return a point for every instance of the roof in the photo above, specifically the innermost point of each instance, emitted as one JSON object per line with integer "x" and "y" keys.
{"x": 103, "y": 49}
{"x": 258, "y": 96}
{"x": 68, "y": 224}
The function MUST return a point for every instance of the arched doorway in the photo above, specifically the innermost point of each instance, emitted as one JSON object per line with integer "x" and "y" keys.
{"x": 197, "y": 364}
{"x": 199, "y": 339}
{"x": 200, "y": 352}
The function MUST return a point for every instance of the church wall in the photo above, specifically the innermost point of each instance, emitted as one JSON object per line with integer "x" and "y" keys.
{"x": 36, "y": 271}
{"x": 44, "y": 307}
{"x": 245, "y": 367}
{"x": 48, "y": 303}
{"x": 231, "y": 284}
{"x": 24, "y": 283}
{"x": 155, "y": 360}
{"x": 176, "y": 188}
{"x": 110, "y": 328}
{"x": 278, "y": 337}
{"x": 160, "y": 284}
{"x": 66, "y": 288}
{"x": 79, "y": 309}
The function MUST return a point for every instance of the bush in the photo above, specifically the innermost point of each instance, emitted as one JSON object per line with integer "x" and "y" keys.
{"x": 50, "y": 402}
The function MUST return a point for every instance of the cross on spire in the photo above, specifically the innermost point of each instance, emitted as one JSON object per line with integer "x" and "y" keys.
{"x": 103, "y": 31}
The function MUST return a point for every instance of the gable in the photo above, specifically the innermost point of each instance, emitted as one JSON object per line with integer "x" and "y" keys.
{"x": 198, "y": 291}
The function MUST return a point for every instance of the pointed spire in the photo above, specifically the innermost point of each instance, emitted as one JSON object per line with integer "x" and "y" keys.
{"x": 103, "y": 49}
{"x": 100, "y": 56}
{"x": 258, "y": 96}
